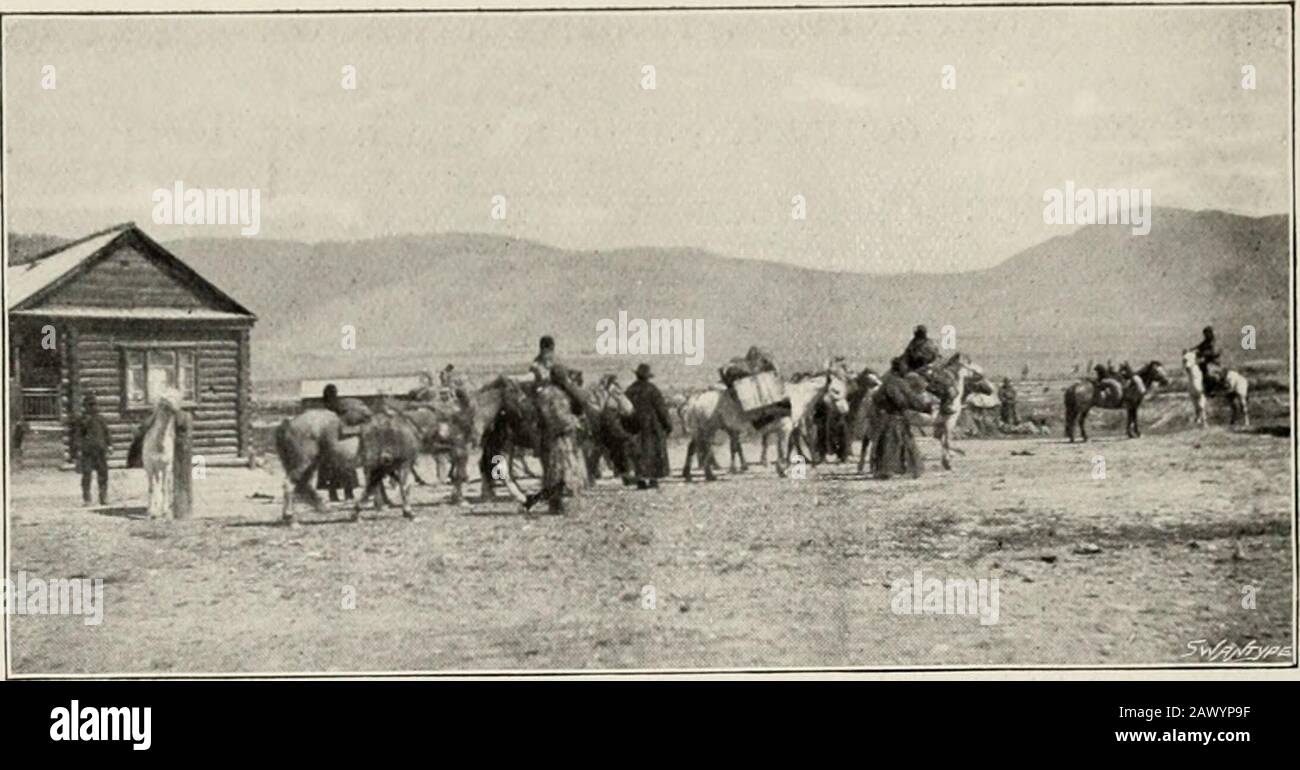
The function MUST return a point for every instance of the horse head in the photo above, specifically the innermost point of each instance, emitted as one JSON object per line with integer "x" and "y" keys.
{"x": 963, "y": 368}
{"x": 836, "y": 394}
{"x": 868, "y": 378}
{"x": 1154, "y": 373}
{"x": 610, "y": 395}
{"x": 1189, "y": 359}
{"x": 169, "y": 400}
{"x": 978, "y": 383}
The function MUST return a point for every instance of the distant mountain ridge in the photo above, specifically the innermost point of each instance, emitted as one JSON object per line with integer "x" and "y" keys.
{"x": 416, "y": 302}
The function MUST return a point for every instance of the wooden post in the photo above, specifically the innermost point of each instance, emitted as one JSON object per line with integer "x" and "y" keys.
{"x": 182, "y": 467}
{"x": 243, "y": 399}
{"x": 70, "y": 379}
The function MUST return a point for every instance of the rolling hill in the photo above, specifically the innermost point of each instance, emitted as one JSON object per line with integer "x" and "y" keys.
{"x": 419, "y": 301}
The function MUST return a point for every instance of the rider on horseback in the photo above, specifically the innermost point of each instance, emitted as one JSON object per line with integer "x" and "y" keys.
{"x": 919, "y": 357}
{"x": 1207, "y": 355}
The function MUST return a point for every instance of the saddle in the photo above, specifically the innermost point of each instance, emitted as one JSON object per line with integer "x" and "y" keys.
{"x": 1110, "y": 391}
{"x": 939, "y": 382}
{"x": 754, "y": 361}
{"x": 1215, "y": 379}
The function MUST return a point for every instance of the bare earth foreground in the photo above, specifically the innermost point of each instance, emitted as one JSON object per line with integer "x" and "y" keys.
{"x": 750, "y": 571}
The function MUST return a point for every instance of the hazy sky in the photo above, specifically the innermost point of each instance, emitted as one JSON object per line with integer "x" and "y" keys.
{"x": 750, "y": 109}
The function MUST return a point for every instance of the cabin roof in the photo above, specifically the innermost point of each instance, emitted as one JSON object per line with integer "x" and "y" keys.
{"x": 28, "y": 282}
{"x": 44, "y": 270}
{"x": 136, "y": 313}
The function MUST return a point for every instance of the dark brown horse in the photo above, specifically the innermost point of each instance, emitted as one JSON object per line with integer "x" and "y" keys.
{"x": 511, "y": 433}
{"x": 1084, "y": 395}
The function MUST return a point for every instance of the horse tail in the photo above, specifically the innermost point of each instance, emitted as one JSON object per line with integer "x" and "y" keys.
{"x": 288, "y": 449}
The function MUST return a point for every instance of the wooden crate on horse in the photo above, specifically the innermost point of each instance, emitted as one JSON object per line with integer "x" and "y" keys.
{"x": 759, "y": 391}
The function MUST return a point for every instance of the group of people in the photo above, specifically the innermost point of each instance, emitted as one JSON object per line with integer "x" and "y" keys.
{"x": 640, "y": 445}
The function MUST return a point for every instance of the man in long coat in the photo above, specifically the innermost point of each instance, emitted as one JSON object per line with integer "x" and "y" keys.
{"x": 1007, "y": 398}
{"x": 653, "y": 426}
{"x": 893, "y": 449}
{"x": 561, "y": 407}
{"x": 93, "y": 442}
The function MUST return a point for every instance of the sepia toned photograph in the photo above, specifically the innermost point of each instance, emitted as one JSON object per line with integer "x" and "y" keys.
{"x": 587, "y": 341}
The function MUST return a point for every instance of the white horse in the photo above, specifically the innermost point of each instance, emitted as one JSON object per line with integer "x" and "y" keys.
{"x": 158, "y": 454}
{"x": 963, "y": 372}
{"x": 717, "y": 409}
{"x": 1238, "y": 388}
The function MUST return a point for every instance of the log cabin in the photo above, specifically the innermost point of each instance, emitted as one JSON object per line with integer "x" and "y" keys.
{"x": 116, "y": 316}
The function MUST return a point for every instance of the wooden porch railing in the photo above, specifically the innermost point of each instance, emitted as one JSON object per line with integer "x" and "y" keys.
{"x": 40, "y": 404}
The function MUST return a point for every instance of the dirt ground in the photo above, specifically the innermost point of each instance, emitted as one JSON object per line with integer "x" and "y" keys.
{"x": 750, "y": 571}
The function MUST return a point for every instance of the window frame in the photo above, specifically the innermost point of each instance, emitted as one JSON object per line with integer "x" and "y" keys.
{"x": 143, "y": 349}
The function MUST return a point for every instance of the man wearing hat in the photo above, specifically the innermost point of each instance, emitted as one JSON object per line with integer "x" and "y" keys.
{"x": 93, "y": 443}
{"x": 919, "y": 357}
{"x": 921, "y": 351}
{"x": 653, "y": 426}
{"x": 893, "y": 448}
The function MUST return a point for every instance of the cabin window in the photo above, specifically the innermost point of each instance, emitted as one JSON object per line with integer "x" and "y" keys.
{"x": 149, "y": 371}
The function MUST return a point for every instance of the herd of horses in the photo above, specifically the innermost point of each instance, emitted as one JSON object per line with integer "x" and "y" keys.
{"x": 829, "y": 410}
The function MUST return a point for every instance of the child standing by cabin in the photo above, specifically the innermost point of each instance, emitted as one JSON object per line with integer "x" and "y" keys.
{"x": 93, "y": 445}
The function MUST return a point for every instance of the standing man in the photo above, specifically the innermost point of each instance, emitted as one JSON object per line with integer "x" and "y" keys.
{"x": 653, "y": 426}
{"x": 561, "y": 405}
{"x": 893, "y": 449}
{"x": 1007, "y": 395}
{"x": 93, "y": 445}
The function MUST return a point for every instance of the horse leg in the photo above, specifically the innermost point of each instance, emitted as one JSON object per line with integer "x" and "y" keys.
{"x": 153, "y": 493}
{"x": 404, "y": 477}
{"x": 686, "y": 466}
{"x": 708, "y": 461}
{"x": 942, "y": 433}
{"x": 592, "y": 457}
{"x": 169, "y": 491}
{"x": 740, "y": 452}
{"x": 784, "y": 440}
{"x": 459, "y": 472}
{"x": 1245, "y": 408}
{"x": 290, "y": 492}
{"x": 374, "y": 478}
